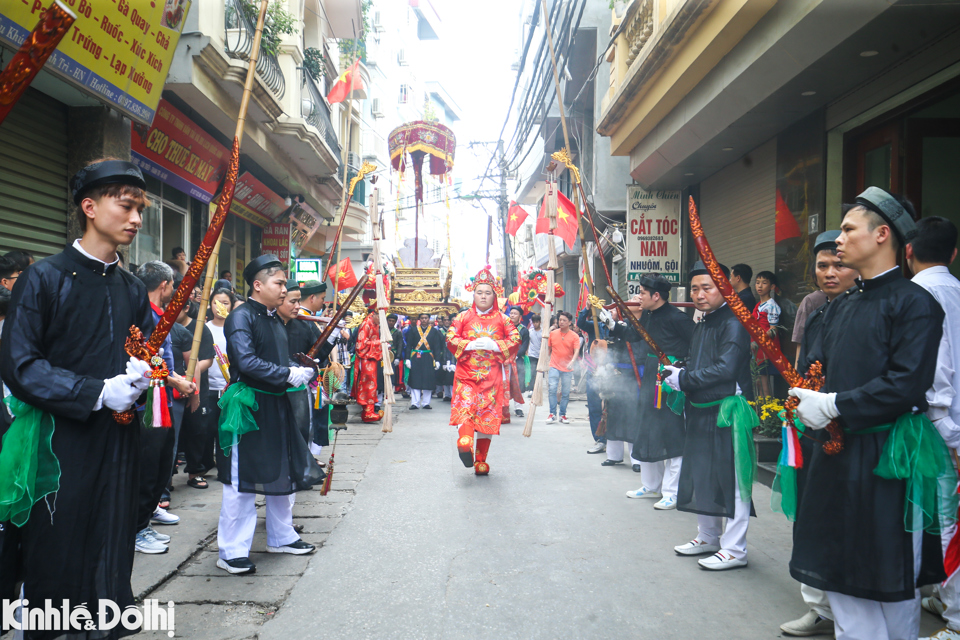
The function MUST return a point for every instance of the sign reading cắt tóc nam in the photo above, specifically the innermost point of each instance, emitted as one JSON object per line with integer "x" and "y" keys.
{"x": 653, "y": 235}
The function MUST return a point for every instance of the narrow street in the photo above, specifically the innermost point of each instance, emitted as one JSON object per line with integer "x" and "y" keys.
{"x": 415, "y": 546}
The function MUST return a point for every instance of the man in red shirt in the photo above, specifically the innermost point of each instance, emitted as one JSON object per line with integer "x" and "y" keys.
{"x": 564, "y": 344}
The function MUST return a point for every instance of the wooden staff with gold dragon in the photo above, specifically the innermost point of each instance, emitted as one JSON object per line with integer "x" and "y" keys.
{"x": 148, "y": 350}
{"x": 814, "y": 378}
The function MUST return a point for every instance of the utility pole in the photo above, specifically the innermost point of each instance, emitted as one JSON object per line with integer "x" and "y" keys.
{"x": 504, "y": 208}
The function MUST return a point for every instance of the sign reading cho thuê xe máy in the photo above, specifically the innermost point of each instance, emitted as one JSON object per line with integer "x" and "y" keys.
{"x": 653, "y": 235}
{"x": 118, "y": 51}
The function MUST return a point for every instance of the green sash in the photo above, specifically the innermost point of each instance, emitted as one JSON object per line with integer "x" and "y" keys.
{"x": 29, "y": 470}
{"x": 736, "y": 413}
{"x": 915, "y": 453}
{"x": 674, "y": 398}
{"x": 237, "y": 405}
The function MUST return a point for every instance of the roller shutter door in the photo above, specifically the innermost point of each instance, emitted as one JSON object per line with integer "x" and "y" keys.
{"x": 33, "y": 176}
{"x": 738, "y": 209}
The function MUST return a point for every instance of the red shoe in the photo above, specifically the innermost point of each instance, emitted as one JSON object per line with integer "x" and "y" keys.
{"x": 480, "y": 467}
{"x": 369, "y": 415}
{"x": 465, "y": 445}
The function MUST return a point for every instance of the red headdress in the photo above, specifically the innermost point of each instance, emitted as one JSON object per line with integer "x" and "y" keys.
{"x": 485, "y": 276}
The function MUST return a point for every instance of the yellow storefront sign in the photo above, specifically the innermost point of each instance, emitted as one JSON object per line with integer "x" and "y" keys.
{"x": 118, "y": 51}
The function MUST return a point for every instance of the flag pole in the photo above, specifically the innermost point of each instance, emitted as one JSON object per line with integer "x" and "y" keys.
{"x": 345, "y": 153}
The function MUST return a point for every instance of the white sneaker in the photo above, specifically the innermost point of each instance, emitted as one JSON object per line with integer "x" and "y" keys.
{"x": 147, "y": 544}
{"x": 666, "y": 503}
{"x": 563, "y": 420}
{"x": 934, "y": 605}
{"x": 696, "y": 547}
{"x": 156, "y": 535}
{"x": 599, "y": 447}
{"x": 551, "y": 419}
{"x": 809, "y": 624}
{"x": 162, "y": 516}
{"x": 944, "y": 634}
{"x": 643, "y": 492}
{"x": 721, "y": 561}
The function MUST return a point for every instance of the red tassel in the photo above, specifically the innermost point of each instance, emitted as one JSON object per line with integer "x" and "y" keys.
{"x": 165, "y": 420}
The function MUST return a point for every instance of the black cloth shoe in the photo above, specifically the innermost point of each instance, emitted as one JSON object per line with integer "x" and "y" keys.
{"x": 609, "y": 463}
{"x": 426, "y": 406}
{"x": 636, "y": 468}
{"x": 519, "y": 413}
{"x": 298, "y": 548}
{"x": 237, "y": 566}
{"x": 298, "y": 528}
{"x": 413, "y": 407}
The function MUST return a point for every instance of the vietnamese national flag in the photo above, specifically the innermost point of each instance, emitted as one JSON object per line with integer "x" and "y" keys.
{"x": 786, "y": 224}
{"x": 341, "y": 88}
{"x": 515, "y": 217}
{"x": 567, "y": 220}
{"x": 344, "y": 271}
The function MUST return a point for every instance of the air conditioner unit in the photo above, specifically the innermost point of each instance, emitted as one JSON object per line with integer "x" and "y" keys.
{"x": 353, "y": 160}
{"x": 402, "y": 58}
{"x": 375, "y": 108}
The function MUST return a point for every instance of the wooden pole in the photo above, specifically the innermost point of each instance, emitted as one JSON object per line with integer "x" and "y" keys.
{"x": 345, "y": 153}
{"x": 238, "y": 135}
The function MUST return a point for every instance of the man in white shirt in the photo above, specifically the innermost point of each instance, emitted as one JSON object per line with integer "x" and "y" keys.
{"x": 928, "y": 256}
{"x": 533, "y": 351}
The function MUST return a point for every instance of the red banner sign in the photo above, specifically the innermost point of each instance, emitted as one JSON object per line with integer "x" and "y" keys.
{"x": 255, "y": 202}
{"x": 276, "y": 240}
{"x": 178, "y": 152}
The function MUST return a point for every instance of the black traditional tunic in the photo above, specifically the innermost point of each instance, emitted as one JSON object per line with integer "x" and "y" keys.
{"x": 662, "y": 432}
{"x": 423, "y": 376}
{"x": 879, "y": 351}
{"x": 719, "y": 361}
{"x": 299, "y": 340}
{"x": 69, "y": 318}
{"x": 623, "y": 405}
{"x": 274, "y": 460}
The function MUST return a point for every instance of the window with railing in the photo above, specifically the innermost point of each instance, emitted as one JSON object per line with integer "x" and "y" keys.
{"x": 238, "y": 43}
{"x": 316, "y": 112}
{"x": 406, "y": 94}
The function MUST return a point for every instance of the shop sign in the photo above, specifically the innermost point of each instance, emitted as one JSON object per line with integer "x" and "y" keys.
{"x": 306, "y": 220}
{"x": 178, "y": 152}
{"x": 255, "y": 202}
{"x": 118, "y": 51}
{"x": 653, "y": 235}
{"x": 276, "y": 240}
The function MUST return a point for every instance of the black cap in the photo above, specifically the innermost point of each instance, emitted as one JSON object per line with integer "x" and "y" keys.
{"x": 826, "y": 240}
{"x": 311, "y": 287}
{"x": 103, "y": 173}
{"x": 700, "y": 269}
{"x": 259, "y": 264}
{"x": 293, "y": 285}
{"x": 223, "y": 284}
{"x": 661, "y": 284}
{"x": 884, "y": 204}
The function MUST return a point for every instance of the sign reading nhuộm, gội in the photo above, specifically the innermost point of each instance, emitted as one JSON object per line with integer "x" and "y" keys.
{"x": 118, "y": 51}
{"x": 653, "y": 235}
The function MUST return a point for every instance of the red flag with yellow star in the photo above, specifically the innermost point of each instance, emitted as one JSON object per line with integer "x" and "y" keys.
{"x": 786, "y": 226}
{"x": 341, "y": 88}
{"x": 567, "y": 220}
{"x": 515, "y": 217}
{"x": 342, "y": 273}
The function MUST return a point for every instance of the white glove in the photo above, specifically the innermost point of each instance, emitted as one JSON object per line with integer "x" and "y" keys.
{"x": 606, "y": 318}
{"x": 396, "y": 362}
{"x": 451, "y": 367}
{"x": 436, "y": 366}
{"x": 119, "y": 392}
{"x": 299, "y": 376}
{"x": 406, "y": 363}
{"x": 673, "y": 377}
{"x": 487, "y": 344}
{"x": 816, "y": 410}
{"x": 471, "y": 346}
{"x": 139, "y": 372}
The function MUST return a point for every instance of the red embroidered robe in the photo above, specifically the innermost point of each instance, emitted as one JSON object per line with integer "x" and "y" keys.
{"x": 478, "y": 391}
{"x": 369, "y": 355}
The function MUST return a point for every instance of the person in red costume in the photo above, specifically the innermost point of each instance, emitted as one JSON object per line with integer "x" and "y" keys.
{"x": 482, "y": 339}
{"x": 367, "y": 372}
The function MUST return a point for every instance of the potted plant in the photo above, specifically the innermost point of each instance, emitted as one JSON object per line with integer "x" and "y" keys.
{"x": 767, "y": 437}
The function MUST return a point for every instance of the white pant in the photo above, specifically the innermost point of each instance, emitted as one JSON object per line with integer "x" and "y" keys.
{"x": 950, "y": 594}
{"x": 615, "y": 451}
{"x": 238, "y": 518}
{"x": 448, "y": 391}
{"x": 862, "y": 619}
{"x": 734, "y": 537}
{"x": 420, "y": 398}
{"x": 817, "y": 601}
{"x": 315, "y": 449}
{"x": 662, "y": 477}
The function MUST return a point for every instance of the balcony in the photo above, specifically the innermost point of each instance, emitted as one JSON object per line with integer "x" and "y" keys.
{"x": 238, "y": 42}
{"x": 317, "y": 113}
